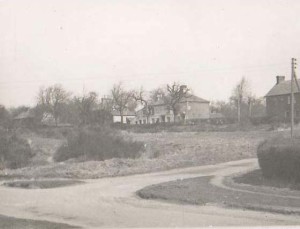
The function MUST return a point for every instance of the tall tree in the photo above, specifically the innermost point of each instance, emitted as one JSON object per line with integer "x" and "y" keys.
{"x": 240, "y": 93}
{"x": 121, "y": 99}
{"x": 85, "y": 105}
{"x": 52, "y": 98}
{"x": 175, "y": 93}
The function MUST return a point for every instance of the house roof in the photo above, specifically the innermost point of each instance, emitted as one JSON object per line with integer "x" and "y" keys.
{"x": 125, "y": 113}
{"x": 194, "y": 98}
{"x": 190, "y": 98}
{"x": 25, "y": 114}
{"x": 283, "y": 88}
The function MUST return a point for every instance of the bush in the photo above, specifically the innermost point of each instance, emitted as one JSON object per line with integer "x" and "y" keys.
{"x": 97, "y": 144}
{"x": 53, "y": 132}
{"x": 14, "y": 152}
{"x": 279, "y": 158}
{"x": 260, "y": 120}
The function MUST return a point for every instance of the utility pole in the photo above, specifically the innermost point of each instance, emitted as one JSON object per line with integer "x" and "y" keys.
{"x": 292, "y": 95}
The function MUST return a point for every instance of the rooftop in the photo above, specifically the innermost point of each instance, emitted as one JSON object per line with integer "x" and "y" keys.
{"x": 283, "y": 88}
{"x": 190, "y": 98}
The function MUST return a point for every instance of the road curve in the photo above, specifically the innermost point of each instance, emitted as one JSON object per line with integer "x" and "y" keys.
{"x": 112, "y": 202}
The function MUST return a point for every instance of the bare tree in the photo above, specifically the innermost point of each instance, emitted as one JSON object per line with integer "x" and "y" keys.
{"x": 85, "y": 104}
{"x": 52, "y": 98}
{"x": 140, "y": 96}
{"x": 240, "y": 93}
{"x": 175, "y": 93}
{"x": 121, "y": 99}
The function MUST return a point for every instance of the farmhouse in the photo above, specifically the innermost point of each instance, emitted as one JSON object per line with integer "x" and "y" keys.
{"x": 278, "y": 99}
{"x": 190, "y": 108}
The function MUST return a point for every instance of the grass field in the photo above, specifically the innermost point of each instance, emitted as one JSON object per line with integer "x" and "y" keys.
{"x": 162, "y": 151}
{"x": 256, "y": 178}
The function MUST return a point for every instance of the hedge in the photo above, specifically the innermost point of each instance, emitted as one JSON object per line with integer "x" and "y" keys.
{"x": 279, "y": 158}
{"x": 98, "y": 144}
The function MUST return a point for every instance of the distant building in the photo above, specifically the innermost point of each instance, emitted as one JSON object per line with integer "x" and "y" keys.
{"x": 48, "y": 120}
{"x": 278, "y": 99}
{"x": 128, "y": 117}
{"x": 190, "y": 108}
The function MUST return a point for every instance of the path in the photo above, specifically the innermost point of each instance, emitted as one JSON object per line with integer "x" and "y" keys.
{"x": 112, "y": 202}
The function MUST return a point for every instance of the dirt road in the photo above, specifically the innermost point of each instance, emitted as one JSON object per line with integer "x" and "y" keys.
{"x": 112, "y": 202}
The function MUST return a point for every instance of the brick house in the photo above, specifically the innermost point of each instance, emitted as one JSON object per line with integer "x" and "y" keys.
{"x": 190, "y": 108}
{"x": 278, "y": 99}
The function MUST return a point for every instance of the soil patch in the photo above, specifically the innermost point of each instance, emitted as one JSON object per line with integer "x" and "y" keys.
{"x": 200, "y": 191}
{"x": 15, "y": 223}
{"x": 41, "y": 184}
{"x": 256, "y": 178}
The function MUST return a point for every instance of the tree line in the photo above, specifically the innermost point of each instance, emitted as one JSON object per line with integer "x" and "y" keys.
{"x": 88, "y": 108}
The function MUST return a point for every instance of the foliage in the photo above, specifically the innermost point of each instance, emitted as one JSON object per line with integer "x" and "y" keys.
{"x": 141, "y": 97}
{"x": 15, "y": 111}
{"x": 122, "y": 99}
{"x": 85, "y": 105}
{"x": 51, "y": 100}
{"x": 5, "y": 118}
{"x": 97, "y": 144}
{"x": 175, "y": 93}
{"x": 240, "y": 94}
{"x": 279, "y": 158}
{"x": 253, "y": 110}
{"x": 14, "y": 151}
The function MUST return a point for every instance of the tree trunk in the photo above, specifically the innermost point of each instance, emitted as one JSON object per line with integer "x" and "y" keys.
{"x": 250, "y": 109}
{"x": 175, "y": 114}
{"x": 121, "y": 113}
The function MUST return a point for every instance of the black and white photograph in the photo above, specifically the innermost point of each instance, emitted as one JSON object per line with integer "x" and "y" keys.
{"x": 149, "y": 114}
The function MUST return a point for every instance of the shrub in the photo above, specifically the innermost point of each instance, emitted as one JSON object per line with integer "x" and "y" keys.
{"x": 97, "y": 144}
{"x": 14, "y": 152}
{"x": 259, "y": 120}
{"x": 280, "y": 158}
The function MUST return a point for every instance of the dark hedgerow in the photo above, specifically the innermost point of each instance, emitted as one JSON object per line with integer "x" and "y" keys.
{"x": 97, "y": 144}
{"x": 279, "y": 158}
{"x": 15, "y": 152}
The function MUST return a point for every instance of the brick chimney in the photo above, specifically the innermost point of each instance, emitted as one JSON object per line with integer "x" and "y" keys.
{"x": 279, "y": 79}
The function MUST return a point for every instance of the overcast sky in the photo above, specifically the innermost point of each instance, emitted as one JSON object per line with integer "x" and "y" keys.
{"x": 207, "y": 44}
